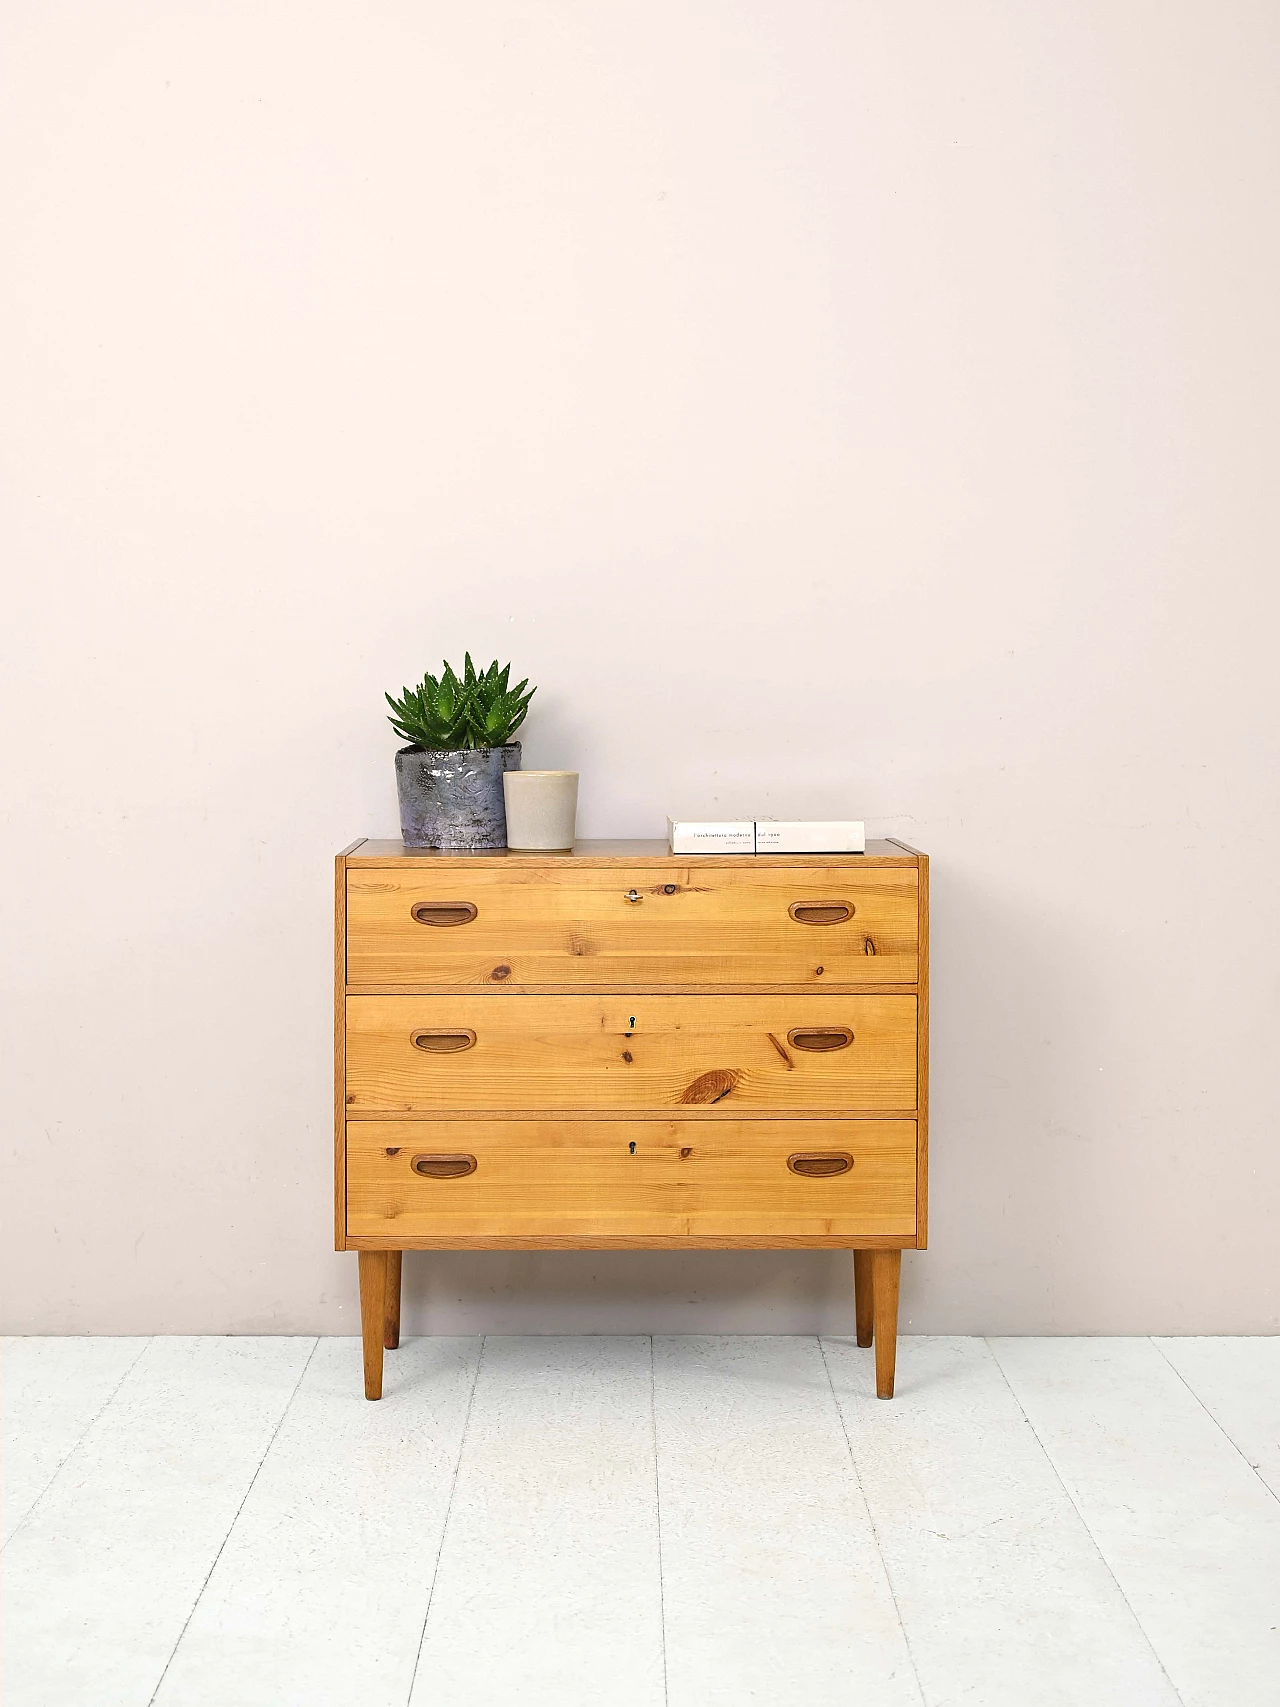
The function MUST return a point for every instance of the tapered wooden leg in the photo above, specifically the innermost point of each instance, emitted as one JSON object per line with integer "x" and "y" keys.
{"x": 886, "y": 1269}
{"x": 391, "y": 1337}
{"x": 862, "y": 1292}
{"x": 373, "y": 1317}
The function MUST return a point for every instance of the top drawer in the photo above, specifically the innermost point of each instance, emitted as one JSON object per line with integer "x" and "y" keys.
{"x": 552, "y": 927}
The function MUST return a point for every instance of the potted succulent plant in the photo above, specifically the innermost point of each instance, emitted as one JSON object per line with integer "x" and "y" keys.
{"x": 449, "y": 777}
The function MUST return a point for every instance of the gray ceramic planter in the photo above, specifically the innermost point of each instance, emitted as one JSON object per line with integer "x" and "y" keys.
{"x": 453, "y": 801}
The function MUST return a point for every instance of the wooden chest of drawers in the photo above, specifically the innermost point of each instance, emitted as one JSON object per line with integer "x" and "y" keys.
{"x": 622, "y": 1048}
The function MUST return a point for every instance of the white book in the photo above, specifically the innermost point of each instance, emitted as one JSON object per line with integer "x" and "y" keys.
{"x": 806, "y": 835}
{"x": 695, "y": 835}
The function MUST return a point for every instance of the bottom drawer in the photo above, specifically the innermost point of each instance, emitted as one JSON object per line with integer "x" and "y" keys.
{"x": 443, "y": 1183}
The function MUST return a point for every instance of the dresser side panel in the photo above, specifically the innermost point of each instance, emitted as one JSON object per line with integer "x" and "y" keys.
{"x": 922, "y": 1066}
{"x": 340, "y": 1052}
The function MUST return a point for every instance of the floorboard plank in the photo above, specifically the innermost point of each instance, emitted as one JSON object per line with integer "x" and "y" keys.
{"x": 1238, "y": 1383}
{"x": 53, "y": 1390}
{"x": 103, "y": 1575}
{"x": 773, "y": 1587}
{"x": 1005, "y": 1597}
{"x": 1190, "y": 1533}
{"x": 319, "y": 1595}
{"x": 548, "y": 1588}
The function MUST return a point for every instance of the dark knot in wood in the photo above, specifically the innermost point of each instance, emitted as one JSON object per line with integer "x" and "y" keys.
{"x": 712, "y": 1086}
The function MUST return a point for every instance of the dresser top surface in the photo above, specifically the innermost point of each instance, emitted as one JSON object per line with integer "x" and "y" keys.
{"x": 631, "y": 853}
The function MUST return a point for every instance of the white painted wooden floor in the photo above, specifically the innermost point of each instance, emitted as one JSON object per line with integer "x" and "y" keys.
{"x": 227, "y": 1523}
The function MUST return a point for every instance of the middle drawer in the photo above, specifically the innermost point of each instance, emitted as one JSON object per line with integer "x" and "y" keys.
{"x": 425, "y": 1054}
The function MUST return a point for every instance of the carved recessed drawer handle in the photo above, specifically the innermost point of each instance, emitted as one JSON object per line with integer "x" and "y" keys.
{"x": 444, "y": 912}
{"x": 444, "y": 1167}
{"x": 820, "y": 1039}
{"x": 443, "y": 1042}
{"x": 821, "y": 912}
{"x": 820, "y": 1164}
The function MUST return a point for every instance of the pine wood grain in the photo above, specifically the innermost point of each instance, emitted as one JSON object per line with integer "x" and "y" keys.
{"x": 340, "y": 1046}
{"x": 922, "y": 1049}
{"x": 922, "y": 1067}
{"x": 653, "y": 1002}
{"x": 630, "y": 1242}
{"x": 567, "y": 926}
{"x": 547, "y": 1179}
{"x": 629, "y": 1052}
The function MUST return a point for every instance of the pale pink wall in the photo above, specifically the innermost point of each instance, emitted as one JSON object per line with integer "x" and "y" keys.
{"x": 833, "y": 406}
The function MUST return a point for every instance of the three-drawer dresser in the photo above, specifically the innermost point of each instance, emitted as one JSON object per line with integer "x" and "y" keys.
{"x": 620, "y": 1048}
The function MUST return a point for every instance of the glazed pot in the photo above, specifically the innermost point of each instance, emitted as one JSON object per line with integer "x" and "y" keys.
{"x": 453, "y": 800}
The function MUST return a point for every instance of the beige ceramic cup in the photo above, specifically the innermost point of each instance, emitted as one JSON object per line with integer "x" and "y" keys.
{"x": 542, "y": 808}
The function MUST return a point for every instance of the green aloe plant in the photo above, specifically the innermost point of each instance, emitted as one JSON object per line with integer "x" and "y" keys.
{"x": 449, "y": 713}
